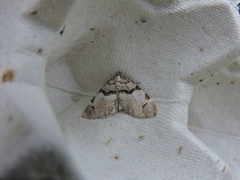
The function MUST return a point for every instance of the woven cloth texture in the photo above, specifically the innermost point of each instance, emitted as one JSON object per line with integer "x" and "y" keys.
{"x": 62, "y": 52}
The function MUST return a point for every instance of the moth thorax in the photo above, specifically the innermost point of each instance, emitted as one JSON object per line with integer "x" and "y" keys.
{"x": 117, "y": 78}
{"x": 117, "y": 86}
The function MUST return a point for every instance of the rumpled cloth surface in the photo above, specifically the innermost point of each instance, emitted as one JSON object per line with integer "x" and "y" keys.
{"x": 61, "y": 53}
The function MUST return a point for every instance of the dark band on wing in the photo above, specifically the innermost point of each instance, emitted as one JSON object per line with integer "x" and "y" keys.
{"x": 106, "y": 93}
{"x": 90, "y": 110}
{"x": 130, "y": 92}
{"x": 147, "y": 97}
{"x": 92, "y": 101}
{"x": 144, "y": 105}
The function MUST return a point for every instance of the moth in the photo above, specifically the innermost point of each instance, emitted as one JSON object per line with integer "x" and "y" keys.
{"x": 120, "y": 94}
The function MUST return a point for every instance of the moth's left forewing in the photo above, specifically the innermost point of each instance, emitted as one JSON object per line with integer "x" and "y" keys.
{"x": 109, "y": 86}
{"x": 103, "y": 105}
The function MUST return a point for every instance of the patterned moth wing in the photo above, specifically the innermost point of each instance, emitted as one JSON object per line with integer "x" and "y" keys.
{"x": 133, "y": 101}
{"x": 103, "y": 105}
{"x": 120, "y": 93}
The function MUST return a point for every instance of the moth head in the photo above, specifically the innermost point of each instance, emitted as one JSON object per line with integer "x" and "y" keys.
{"x": 118, "y": 73}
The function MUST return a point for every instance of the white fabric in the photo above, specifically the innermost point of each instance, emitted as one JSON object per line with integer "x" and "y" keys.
{"x": 214, "y": 115}
{"x": 32, "y": 144}
{"x": 169, "y": 46}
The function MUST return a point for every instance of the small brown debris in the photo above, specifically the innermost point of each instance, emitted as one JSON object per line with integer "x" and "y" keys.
{"x": 62, "y": 31}
{"x": 180, "y": 150}
{"x": 218, "y": 83}
{"x": 211, "y": 74}
{"x": 232, "y": 82}
{"x": 34, "y": 12}
{"x": 7, "y": 76}
{"x": 92, "y": 41}
{"x": 39, "y": 50}
{"x": 141, "y": 137}
{"x": 224, "y": 169}
{"x": 143, "y": 20}
{"x": 92, "y": 29}
{"x": 201, "y": 80}
{"x": 116, "y": 157}
{"x": 201, "y": 49}
{"x": 192, "y": 74}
